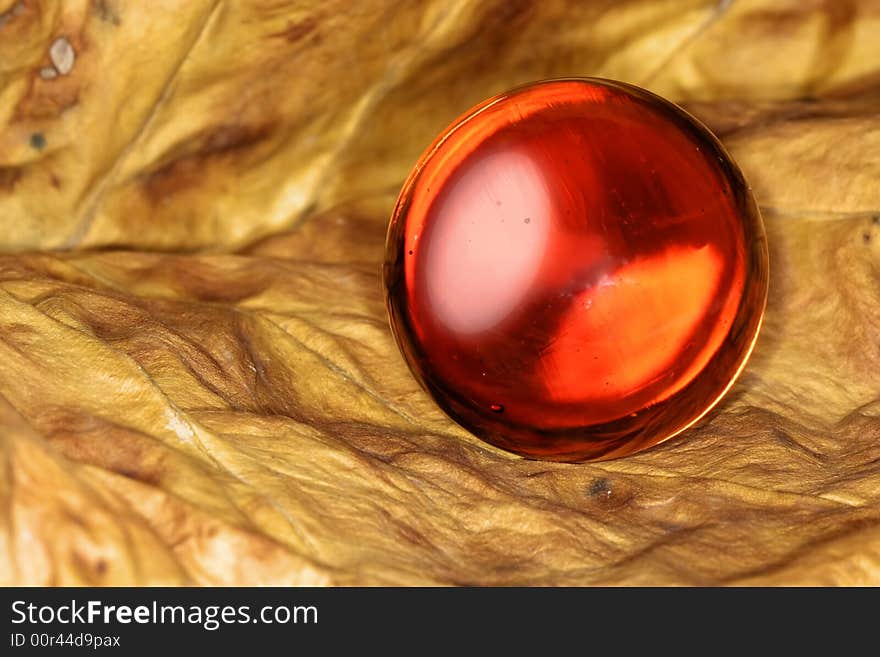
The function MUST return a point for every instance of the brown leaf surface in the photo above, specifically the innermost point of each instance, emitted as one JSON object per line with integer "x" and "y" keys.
{"x": 197, "y": 382}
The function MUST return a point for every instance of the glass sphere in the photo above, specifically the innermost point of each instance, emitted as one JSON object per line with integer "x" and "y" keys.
{"x": 576, "y": 270}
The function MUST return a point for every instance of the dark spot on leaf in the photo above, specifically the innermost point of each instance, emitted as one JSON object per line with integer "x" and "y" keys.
{"x": 600, "y": 486}
{"x": 790, "y": 441}
{"x": 16, "y": 10}
{"x": 866, "y": 238}
{"x": 8, "y": 177}
{"x": 145, "y": 475}
{"x": 189, "y": 166}
{"x": 38, "y": 141}
{"x": 527, "y": 219}
{"x": 501, "y": 20}
{"x": 411, "y": 535}
{"x": 41, "y": 103}
{"x": 106, "y": 12}
{"x": 296, "y": 31}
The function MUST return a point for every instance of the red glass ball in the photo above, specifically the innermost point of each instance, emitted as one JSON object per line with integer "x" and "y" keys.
{"x": 576, "y": 270}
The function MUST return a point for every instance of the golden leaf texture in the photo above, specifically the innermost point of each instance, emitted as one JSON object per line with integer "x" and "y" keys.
{"x": 197, "y": 380}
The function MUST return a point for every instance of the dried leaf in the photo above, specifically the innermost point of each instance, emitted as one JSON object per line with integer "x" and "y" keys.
{"x": 213, "y": 395}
